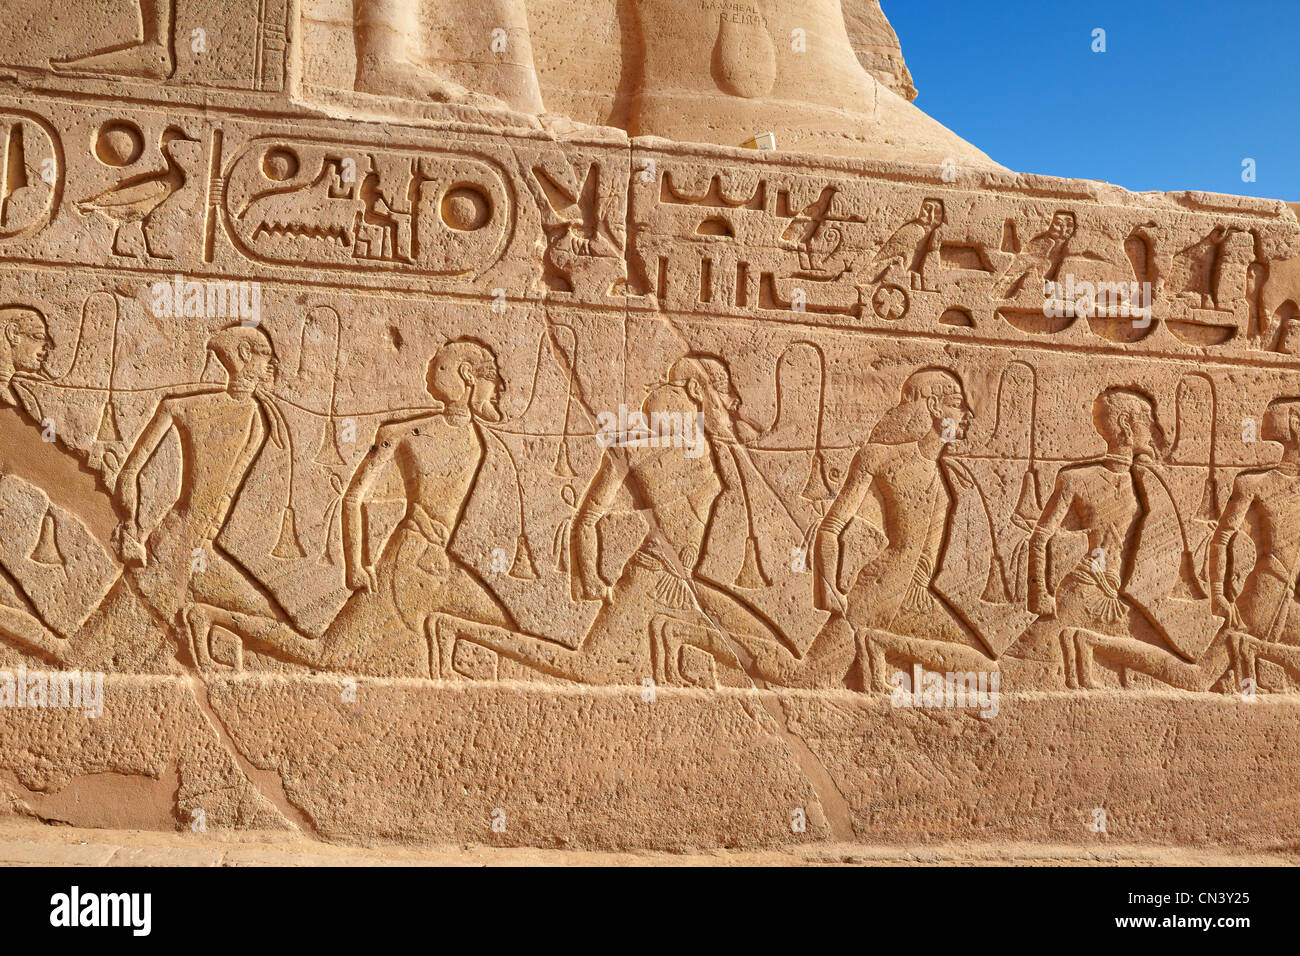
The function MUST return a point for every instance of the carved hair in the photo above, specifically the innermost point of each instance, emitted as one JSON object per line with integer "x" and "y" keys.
{"x": 469, "y": 349}
{"x": 704, "y": 368}
{"x": 1281, "y": 404}
{"x": 226, "y": 343}
{"x": 1117, "y": 401}
{"x": 910, "y": 420}
{"x": 21, "y": 313}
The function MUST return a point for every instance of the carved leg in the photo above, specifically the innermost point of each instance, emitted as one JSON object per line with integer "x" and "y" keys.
{"x": 384, "y": 63}
{"x": 441, "y": 631}
{"x": 1144, "y": 658}
{"x": 30, "y": 634}
{"x": 1285, "y": 656}
{"x": 939, "y": 656}
{"x": 1069, "y": 657}
{"x": 198, "y": 629}
{"x": 150, "y": 57}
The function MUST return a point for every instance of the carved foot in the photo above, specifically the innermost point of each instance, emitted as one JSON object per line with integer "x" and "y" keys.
{"x": 385, "y": 77}
{"x": 149, "y": 60}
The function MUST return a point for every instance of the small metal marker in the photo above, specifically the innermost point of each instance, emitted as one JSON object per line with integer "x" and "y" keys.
{"x": 760, "y": 141}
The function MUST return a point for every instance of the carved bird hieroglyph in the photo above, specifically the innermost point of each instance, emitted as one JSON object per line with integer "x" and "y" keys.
{"x": 131, "y": 203}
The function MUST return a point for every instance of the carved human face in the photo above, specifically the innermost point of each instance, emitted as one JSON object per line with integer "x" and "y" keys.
{"x": 28, "y": 341}
{"x": 1127, "y": 424}
{"x": 931, "y": 213}
{"x": 719, "y": 403}
{"x": 485, "y": 392}
{"x": 1063, "y": 226}
{"x": 259, "y": 362}
{"x": 1282, "y": 423}
{"x": 950, "y": 413}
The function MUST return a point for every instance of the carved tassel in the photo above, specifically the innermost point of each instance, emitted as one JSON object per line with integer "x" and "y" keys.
{"x": 334, "y": 526}
{"x": 288, "y": 547}
{"x": 563, "y": 467}
{"x": 561, "y": 546}
{"x": 1209, "y": 507}
{"x": 108, "y": 430}
{"x": 328, "y": 453}
{"x": 523, "y": 568}
{"x": 1028, "y": 506}
{"x": 751, "y": 575}
{"x": 47, "y": 545}
{"x": 817, "y": 488}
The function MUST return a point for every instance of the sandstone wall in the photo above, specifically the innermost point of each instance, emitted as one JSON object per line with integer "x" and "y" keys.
{"x": 427, "y": 471}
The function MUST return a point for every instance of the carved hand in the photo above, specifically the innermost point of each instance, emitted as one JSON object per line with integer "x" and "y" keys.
{"x": 1227, "y": 610}
{"x": 833, "y": 599}
{"x": 362, "y": 578}
{"x": 1042, "y": 603}
{"x": 126, "y": 539}
{"x": 597, "y": 591}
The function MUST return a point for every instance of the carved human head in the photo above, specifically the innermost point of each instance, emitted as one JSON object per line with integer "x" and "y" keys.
{"x": 246, "y": 353}
{"x": 463, "y": 373}
{"x": 933, "y": 401}
{"x": 1126, "y": 418}
{"x": 1063, "y": 225}
{"x": 706, "y": 380}
{"x": 24, "y": 337}
{"x": 1282, "y": 421}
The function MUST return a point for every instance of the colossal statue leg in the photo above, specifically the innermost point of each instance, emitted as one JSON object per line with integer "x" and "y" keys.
{"x": 449, "y": 51}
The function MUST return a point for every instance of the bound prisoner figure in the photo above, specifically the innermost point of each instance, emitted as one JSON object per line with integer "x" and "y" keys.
{"x": 24, "y": 348}
{"x": 180, "y": 567}
{"x": 662, "y": 594}
{"x": 1114, "y": 603}
{"x": 382, "y": 628}
{"x": 1265, "y": 615}
{"x": 892, "y": 610}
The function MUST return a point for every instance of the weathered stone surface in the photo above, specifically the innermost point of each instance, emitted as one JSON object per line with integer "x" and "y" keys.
{"x": 422, "y": 422}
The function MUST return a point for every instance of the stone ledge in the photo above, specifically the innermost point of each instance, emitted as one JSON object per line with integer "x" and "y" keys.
{"x": 601, "y": 769}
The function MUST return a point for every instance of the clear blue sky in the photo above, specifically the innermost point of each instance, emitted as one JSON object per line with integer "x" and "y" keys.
{"x": 1185, "y": 91}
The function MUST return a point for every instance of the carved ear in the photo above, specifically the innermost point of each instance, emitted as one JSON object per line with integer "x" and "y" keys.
{"x": 11, "y": 333}
{"x": 1125, "y": 423}
{"x": 695, "y": 391}
{"x": 244, "y": 351}
{"x": 466, "y": 372}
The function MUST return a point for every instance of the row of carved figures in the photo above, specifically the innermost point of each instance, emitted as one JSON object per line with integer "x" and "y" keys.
{"x": 1136, "y": 598}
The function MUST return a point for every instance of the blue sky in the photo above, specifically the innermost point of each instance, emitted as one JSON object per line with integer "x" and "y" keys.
{"x": 1186, "y": 90}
